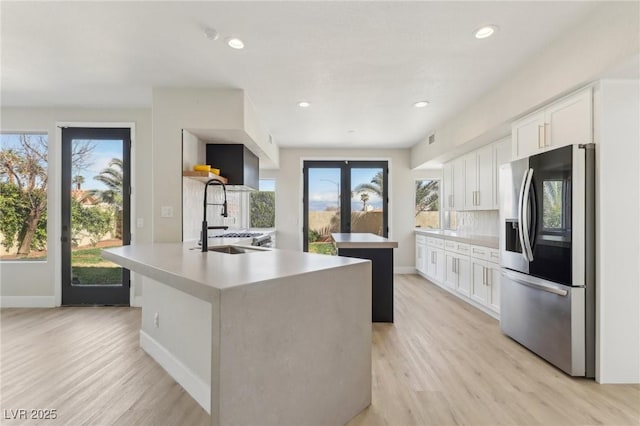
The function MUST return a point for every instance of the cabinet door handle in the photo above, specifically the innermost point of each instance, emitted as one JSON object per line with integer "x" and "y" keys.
{"x": 477, "y": 198}
{"x": 546, "y": 133}
{"x": 484, "y": 276}
{"x": 540, "y": 136}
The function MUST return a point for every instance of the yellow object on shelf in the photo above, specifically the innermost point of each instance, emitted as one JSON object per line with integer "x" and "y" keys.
{"x": 202, "y": 168}
{"x": 215, "y": 171}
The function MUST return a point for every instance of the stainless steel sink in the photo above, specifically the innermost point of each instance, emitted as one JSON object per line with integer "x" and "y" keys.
{"x": 233, "y": 249}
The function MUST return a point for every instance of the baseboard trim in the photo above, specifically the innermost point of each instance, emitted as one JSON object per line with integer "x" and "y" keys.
{"x": 27, "y": 302}
{"x": 462, "y": 297}
{"x": 137, "y": 302}
{"x": 194, "y": 385}
{"x": 404, "y": 270}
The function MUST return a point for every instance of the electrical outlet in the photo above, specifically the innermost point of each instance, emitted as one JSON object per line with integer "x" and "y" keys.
{"x": 166, "y": 211}
{"x": 156, "y": 320}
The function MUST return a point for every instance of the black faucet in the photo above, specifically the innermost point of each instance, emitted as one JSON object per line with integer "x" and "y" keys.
{"x": 205, "y": 227}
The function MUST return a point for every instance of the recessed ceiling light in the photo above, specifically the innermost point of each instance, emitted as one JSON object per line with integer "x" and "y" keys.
{"x": 486, "y": 31}
{"x": 304, "y": 104}
{"x": 235, "y": 43}
{"x": 421, "y": 104}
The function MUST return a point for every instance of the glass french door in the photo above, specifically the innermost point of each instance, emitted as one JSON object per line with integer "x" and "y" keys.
{"x": 95, "y": 214}
{"x": 345, "y": 197}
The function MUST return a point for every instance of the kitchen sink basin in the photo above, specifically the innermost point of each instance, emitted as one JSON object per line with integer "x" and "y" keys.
{"x": 233, "y": 249}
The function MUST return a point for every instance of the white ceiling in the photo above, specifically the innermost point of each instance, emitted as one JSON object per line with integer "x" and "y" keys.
{"x": 361, "y": 64}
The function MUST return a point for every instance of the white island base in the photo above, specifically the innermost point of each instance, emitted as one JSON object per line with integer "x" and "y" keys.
{"x": 269, "y": 338}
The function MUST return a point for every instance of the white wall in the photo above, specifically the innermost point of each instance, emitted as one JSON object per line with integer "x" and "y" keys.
{"x": 618, "y": 210}
{"x": 401, "y": 195}
{"x": 203, "y": 109}
{"x": 607, "y": 38}
{"x": 33, "y": 284}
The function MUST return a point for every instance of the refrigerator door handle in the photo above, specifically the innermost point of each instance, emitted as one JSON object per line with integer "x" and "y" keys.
{"x": 520, "y": 214}
{"x": 535, "y": 284}
{"x": 525, "y": 217}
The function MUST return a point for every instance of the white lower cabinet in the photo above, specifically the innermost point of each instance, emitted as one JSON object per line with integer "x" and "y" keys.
{"x": 485, "y": 283}
{"x": 435, "y": 264}
{"x": 469, "y": 271}
{"x": 421, "y": 256}
{"x": 457, "y": 272}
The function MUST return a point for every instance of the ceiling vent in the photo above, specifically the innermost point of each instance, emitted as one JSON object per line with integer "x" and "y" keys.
{"x": 432, "y": 138}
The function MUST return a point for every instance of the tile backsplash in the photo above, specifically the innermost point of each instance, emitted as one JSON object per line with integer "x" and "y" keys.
{"x": 478, "y": 222}
{"x": 192, "y": 199}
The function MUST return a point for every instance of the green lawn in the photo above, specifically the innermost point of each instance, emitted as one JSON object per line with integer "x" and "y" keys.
{"x": 88, "y": 267}
{"x": 96, "y": 275}
{"x": 322, "y": 248}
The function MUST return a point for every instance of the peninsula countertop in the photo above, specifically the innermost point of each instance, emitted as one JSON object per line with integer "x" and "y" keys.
{"x": 362, "y": 240}
{"x": 185, "y": 267}
{"x": 479, "y": 240}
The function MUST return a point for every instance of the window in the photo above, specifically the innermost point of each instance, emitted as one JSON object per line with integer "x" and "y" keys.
{"x": 427, "y": 206}
{"x": 23, "y": 196}
{"x": 262, "y": 205}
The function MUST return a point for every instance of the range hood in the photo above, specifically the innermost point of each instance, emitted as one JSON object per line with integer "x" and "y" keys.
{"x": 237, "y": 163}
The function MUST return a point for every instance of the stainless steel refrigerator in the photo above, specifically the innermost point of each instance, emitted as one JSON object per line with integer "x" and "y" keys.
{"x": 547, "y": 256}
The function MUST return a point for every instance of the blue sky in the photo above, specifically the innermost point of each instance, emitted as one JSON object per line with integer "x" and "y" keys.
{"x": 99, "y": 159}
{"x": 103, "y": 152}
{"x": 324, "y": 188}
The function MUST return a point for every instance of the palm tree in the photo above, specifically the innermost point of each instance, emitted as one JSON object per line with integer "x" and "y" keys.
{"x": 364, "y": 197}
{"x": 112, "y": 178}
{"x": 78, "y": 180}
{"x": 376, "y": 185}
{"x": 427, "y": 195}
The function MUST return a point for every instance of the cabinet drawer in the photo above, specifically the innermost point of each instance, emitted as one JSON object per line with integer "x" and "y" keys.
{"x": 494, "y": 255}
{"x": 421, "y": 239}
{"x": 480, "y": 252}
{"x": 435, "y": 242}
{"x": 456, "y": 247}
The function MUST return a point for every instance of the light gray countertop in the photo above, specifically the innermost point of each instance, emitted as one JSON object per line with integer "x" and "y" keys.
{"x": 479, "y": 240}
{"x": 362, "y": 240}
{"x": 203, "y": 274}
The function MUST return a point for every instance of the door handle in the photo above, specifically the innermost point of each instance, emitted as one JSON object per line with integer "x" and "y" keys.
{"x": 545, "y": 134}
{"x": 541, "y": 141}
{"x": 521, "y": 215}
{"x": 525, "y": 217}
{"x": 537, "y": 284}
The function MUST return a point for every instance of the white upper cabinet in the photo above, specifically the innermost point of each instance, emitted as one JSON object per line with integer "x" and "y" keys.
{"x": 501, "y": 155}
{"x": 447, "y": 190}
{"x": 453, "y": 185}
{"x": 458, "y": 184}
{"x": 479, "y": 185}
{"x": 565, "y": 122}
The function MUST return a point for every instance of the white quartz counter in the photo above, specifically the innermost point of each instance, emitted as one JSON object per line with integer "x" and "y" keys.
{"x": 185, "y": 267}
{"x": 362, "y": 240}
{"x": 479, "y": 240}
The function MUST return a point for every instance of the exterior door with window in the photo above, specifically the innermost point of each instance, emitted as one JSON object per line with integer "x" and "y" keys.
{"x": 95, "y": 214}
{"x": 346, "y": 197}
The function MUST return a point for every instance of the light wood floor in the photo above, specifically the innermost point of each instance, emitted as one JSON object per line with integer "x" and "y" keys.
{"x": 442, "y": 363}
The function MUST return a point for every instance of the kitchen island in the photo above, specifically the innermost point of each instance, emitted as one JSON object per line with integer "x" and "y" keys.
{"x": 380, "y": 251}
{"x": 264, "y": 337}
